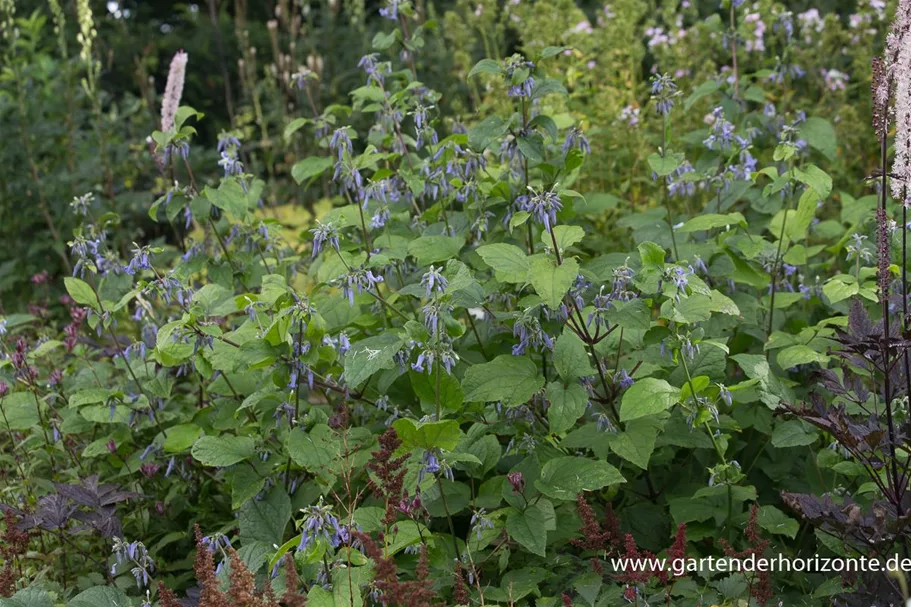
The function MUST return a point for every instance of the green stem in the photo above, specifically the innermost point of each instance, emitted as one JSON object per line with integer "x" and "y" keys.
{"x": 12, "y": 438}
{"x": 689, "y": 381}
{"x": 224, "y": 249}
{"x": 437, "y": 396}
{"x": 474, "y": 330}
{"x": 664, "y": 196}
{"x": 455, "y": 544}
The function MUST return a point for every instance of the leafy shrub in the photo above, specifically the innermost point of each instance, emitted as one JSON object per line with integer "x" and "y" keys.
{"x": 508, "y": 350}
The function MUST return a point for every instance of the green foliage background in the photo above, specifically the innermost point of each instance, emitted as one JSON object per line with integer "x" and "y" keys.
{"x": 570, "y": 351}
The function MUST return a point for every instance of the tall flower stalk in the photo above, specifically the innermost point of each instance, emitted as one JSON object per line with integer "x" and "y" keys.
{"x": 893, "y": 72}
{"x": 896, "y": 66}
{"x": 59, "y": 17}
{"x": 173, "y": 90}
{"x": 86, "y": 38}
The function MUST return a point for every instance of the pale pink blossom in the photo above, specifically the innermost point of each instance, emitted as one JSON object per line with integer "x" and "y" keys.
{"x": 630, "y": 116}
{"x": 583, "y": 27}
{"x": 835, "y": 80}
{"x": 901, "y": 167}
{"x": 810, "y": 21}
{"x": 897, "y": 73}
{"x": 173, "y": 90}
{"x": 757, "y": 42}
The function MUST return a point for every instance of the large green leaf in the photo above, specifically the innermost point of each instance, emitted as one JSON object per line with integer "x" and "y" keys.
{"x": 566, "y": 236}
{"x": 223, "y": 450}
{"x": 428, "y": 435}
{"x": 647, "y": 396}
{"x": 425, "y": 386}
{"x": 652, "y": 255}
{"x": 567, "y": 405}
{"x": 347, "y": 582}
{"x": 28, "y": 597}
{"x": 264, "y": 521}
{"x": 665, "y": 165}
{"x": 81, "y": 292}
{"x": 517, "y": 584}
{"x": 636, "y": 442}
{"x": 311, "y": 167}
{"x": 434, "y": 249}
{"x": 799, "y": 221}
{"x": 703, "y": 90}
{"x": 315, "y": 451}
{"x": 486, "y": 131}
{"x": 771, "y": 389}
{"x": 588, "y": 585}
{"x": 510, "y": 379}
{"x": 320, "y": 597}
{"x": 550, "y": 280}
{"x": 708, "y": 221}
{"x": 565, "y": 477}
{"x": 838, "y": 289}
{"x": 529, "y": 527}
{"x": 246, "y": 482}
{"x": 793, "y": 433}
{"x": 820, "y": 134}
{"x": 486, "y": 66}
{"x": 698, "y": 307}
{"x": 20, "y": 411}
{"x": 100, "y": 596}
{"x": 799, "y": 355}
{"x": 214, "y": 300}
{"x": 531, "y": 147}
{"x": 181, "y": 437}
{"x": 509, "y": 262}
{"x": 817, "y": 179}
{"x": 633, "y": 315}
{"x": 775, "y": 521}
{"x": 570, "y": 357}
{"x": 370, "y": 355}
{"x": 230, "y": 197}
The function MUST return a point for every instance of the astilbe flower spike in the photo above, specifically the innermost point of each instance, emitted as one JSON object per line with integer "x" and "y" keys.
{"x": 760, "y": 585}
{"x": 291, "y": 597}
{"x": 242, "y": 587}
{"x": 210, "y": 595}
{"x": 166, "y": 597}
{"x": 393, "y": 591}
{"x": 460, "y": 595}
{"x": 13, "y": 543}
{"x": 594, "y": 536}
{"x": 677, "y": 551}
{"x": 268, "y": 595}
{"x": 636, "y": 576}
{"x": 242, "y": 583}
{"x": 390, "y": 472}
{"x": 173, "y": 90}
{"x": 643, "y": 575}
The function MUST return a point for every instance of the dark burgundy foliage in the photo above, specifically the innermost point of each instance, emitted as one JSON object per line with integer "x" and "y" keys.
{"x": 390, "y": 472}
{"x": 861, "y": 422}
{"x": 89, "y": 504}
{"x": 13, "y": 544}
